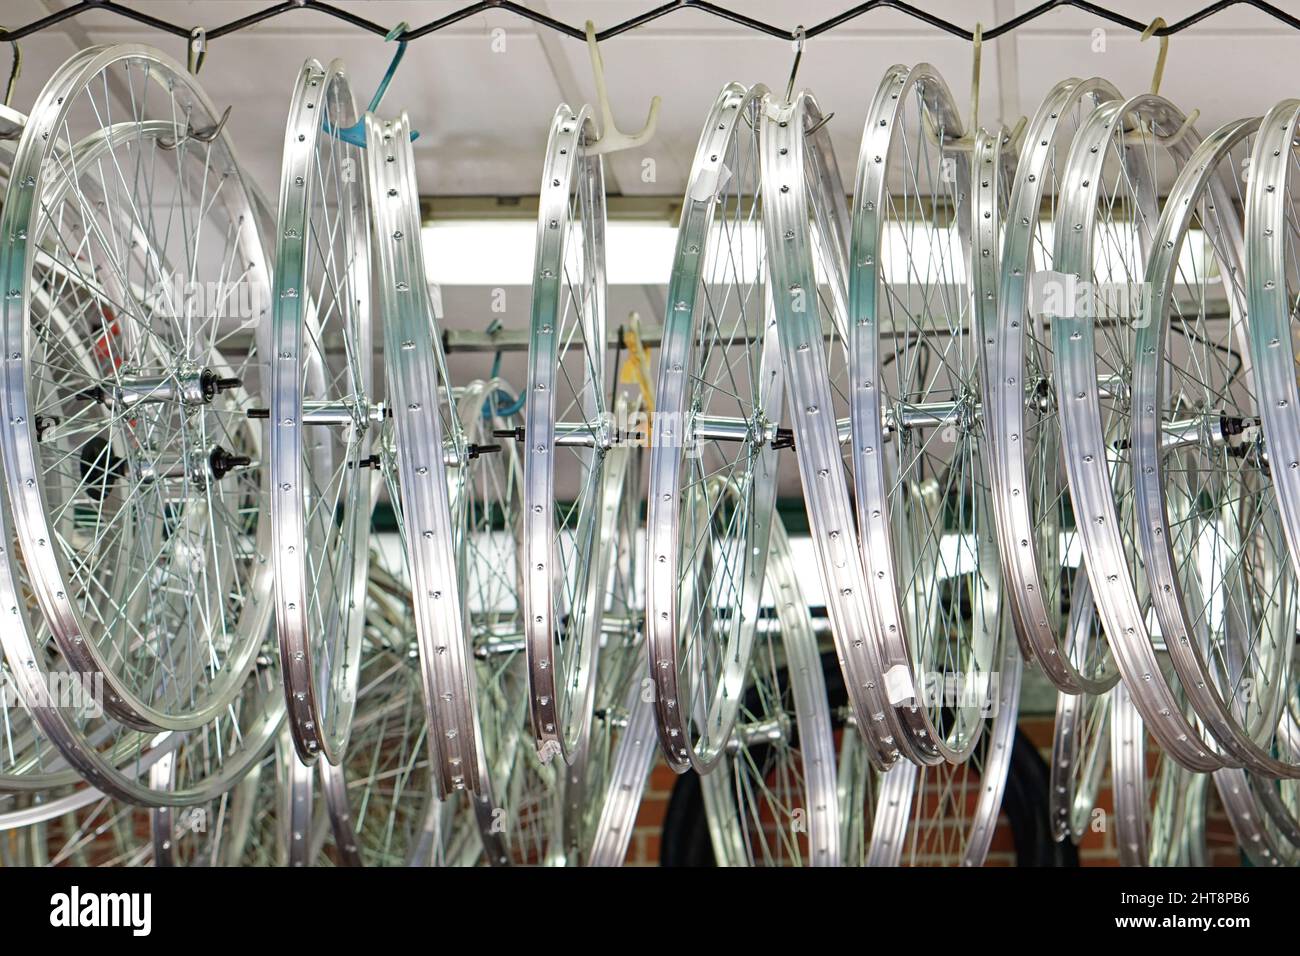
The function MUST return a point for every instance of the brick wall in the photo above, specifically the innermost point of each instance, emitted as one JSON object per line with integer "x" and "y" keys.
{"x": 1096, "y": 849}
{"x": 644, "y": 848}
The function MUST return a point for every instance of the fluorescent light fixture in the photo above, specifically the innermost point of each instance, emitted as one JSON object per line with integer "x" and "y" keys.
{"x": 500, "y": 252}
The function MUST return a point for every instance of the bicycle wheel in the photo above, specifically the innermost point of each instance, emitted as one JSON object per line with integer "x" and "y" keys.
{"x": 137, "y": 272}
{"x": 603, "y": 787}
{"x": 265, "y": 819}
{"x": 774, "y": 801}
{"x": 321, "y": 412}
{"x": 1221, "y": 580}
{"x": 518, "y": 808}
{"x": 947, "y": 814}
{"x": 1280, "y": 799}
{"x": 431, "y": 456}
{"x": 1034, "y": 521}
{"x": 566, "y": 433}
{"x": 378, "y": 797}
{"x": 28, "y": 762}
{"x": 717, "y": 405}
{"x": 381, "y": 803}
{"x": 1103, "y": 228}
{"x": 57, "y": 729}
{"x": 1271, "y": 277}
{"x": 1150, "y": 791}
{"x": 804, "y": 217}
{"x": 116, "y": 759}
{"x": 924, "y": 515}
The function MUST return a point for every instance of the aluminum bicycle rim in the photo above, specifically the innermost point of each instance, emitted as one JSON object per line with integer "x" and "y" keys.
{"x": 1080, "y": 735}
{"x": 1221, "y": 580}
{"x": 915, "y": 391}
{"x": 773, "y": 802}
{"x": 1093, "y": 356}
{"x": 717, "y": 395}
{"x": 1030, "y": 503}
{"x": 172, "y": 428}
{"x": 799, "y": 322}
{"x": 566, "y": 432}
{"x": 321, "y": 413}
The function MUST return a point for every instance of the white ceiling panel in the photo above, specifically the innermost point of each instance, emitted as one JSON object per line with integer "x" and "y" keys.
{"x": 482, "y": 99}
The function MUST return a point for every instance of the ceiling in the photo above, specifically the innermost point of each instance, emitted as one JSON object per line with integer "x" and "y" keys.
{"x": 482, "y": 100}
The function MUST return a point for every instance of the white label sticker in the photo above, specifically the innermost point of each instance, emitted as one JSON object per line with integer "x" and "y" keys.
{"x": 898, "y": 684}
{"x": 710, "y": 183}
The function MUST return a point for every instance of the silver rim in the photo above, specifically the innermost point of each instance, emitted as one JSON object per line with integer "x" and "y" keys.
{"x": 517, "y": 810}
{"x": 790, "y": 164}
{"x": 602, "y": 788}
{"x": 915, "y": 406}
{"x": 716, "y": 417}
{"x": 566, "y": 433}
{"x": 1020, "y": 427}
{"x": 1221, "y": 580}
{"x": 159, "y": 410}
{"x": 321, "y": 413}
{"x": 427, "y": 436}
{"x": 1081, "y": 734}
{"x": 773, "y": 801}
{"x": 1085, "y": 355}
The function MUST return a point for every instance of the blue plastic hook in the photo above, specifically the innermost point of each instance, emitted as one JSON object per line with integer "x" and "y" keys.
{"x": 356, "y": 133}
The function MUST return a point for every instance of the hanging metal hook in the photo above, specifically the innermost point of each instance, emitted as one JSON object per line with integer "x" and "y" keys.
{"x": 820, "y": 123}
{"x": 197, "y": 51}
{"x": 611, "y": 138}
{"x": 356, "y": 133}
{"x": 799, "y": 38}
{"x": 206, "y": 135}
{"x": 15, "y": 71}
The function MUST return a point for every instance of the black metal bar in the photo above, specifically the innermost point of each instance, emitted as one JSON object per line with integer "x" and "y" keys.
{"x": 906, "y": 8}
{"x": 640, "y": 20}
{"x": 175, "y": 29}
{"x": 435, "y": 25}
{"x": 744, "y": 21}
{"x": 541, "y": 18}
{"x": 1214, "y": 8}
{"x": 243, "y": 23}
{"x": 1044, "y": 8}
{"x": 37, "y": 25}
{"x": 361, "y": 23}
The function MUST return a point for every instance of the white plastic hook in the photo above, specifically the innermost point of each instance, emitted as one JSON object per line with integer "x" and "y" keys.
{"x": 967, "y": 142}
{"x": 612, "y": 139}
{"x": 197, "y": 51}
{"x": 1159, "y": 73}
{"x": 1157, "y": 76}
